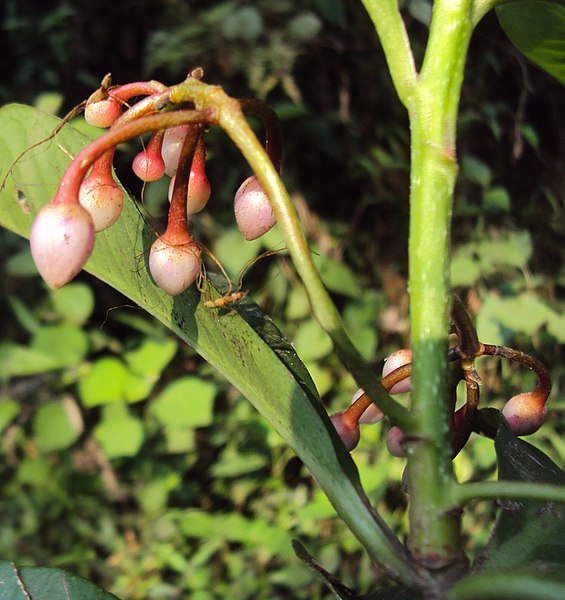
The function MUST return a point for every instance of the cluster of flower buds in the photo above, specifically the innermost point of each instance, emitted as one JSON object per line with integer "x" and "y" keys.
{"x": 89, "y": 199}
{"x": 524, "y": 413}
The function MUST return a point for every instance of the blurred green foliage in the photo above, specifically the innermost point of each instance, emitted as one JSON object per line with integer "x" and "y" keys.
{"x": 129, "y": 461}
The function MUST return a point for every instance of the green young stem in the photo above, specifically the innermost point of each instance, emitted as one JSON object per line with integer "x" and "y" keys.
{"x": 435, "y": 531}
{"x": 511, "y": 490}
{"x": 388, "y": 22}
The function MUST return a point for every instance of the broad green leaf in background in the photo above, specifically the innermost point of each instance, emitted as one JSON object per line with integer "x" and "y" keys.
{"x": 105, "y": 383}
{"x": 249, "y": 352}
{"x": 537, "y": 29}
{"x": 74, "y": 302}
{"x": 57, "y": 425}
{"x": 119, "y": 432}
{"x": 9, "y": 410}
{"x": 52, "y": 347}
{"x": 40, "y": 583}
{"x": 186, "y": 402}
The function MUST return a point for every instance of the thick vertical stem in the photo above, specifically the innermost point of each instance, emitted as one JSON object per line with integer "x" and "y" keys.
{"x": 435, "y": 530}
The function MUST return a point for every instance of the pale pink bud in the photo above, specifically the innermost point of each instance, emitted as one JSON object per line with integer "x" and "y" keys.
{"x": 525, "y": 412}
{"x": 61, "y": 240}
{"x": 253, "y": 211}
{"x": 102, "y": 197}
{"x": 174, "y": 266}
{"x": 149, "y": 165}
{"x": 394, "y": 439}
{"x": 199, "y": 192}
{"x": 395, "y": 361}
{"x": 348, "y": 432}
{"x": 102, "y": 113}
{"x": 173, "y": 141}
{"x": 373, "y": 414}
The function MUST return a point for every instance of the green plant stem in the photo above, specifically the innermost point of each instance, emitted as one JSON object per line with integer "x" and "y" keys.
{"x": 396, "y": 45}
{"x": 229, "y": 116}
{"x": 435, "y": 531}
{"x": 432, "y": 101}
{"x": 511, "y": 490}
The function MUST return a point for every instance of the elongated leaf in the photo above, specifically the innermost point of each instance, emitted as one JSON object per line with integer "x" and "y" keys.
{"x": 510, "y": 585}
{"x": 528, "y": 534}
{"x": 537, "y": 29}
{"x": 261, "y": 365}
{"x": 39, "y": 583}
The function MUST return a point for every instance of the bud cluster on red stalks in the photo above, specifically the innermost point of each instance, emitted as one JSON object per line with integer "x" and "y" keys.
{"x": 89, "y": 199}
{"x": 524, "y": 413}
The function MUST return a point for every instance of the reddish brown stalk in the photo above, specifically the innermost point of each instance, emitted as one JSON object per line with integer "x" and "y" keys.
{"x": 178, "y": 221}
{"x": 271, "y": 123}
{"x": 544, "y": 378}
{"x": 354, "y": 412}
{"x": 70, "y": 182}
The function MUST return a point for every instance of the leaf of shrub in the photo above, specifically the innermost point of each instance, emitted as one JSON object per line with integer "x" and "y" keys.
{"x": 537, "y": 29}
{"x": 186, "y": 402}
{"x": 119, "y": 433}
{"x": 40, "y": 583}
{"x": 527, "y": 533}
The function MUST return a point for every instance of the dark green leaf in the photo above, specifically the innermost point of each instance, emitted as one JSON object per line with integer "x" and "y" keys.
{"x": 510, "y": 585}
{"x": 39, "y": 583}
{"x": 537, "y": 28}
{"x": 527, "y": 534}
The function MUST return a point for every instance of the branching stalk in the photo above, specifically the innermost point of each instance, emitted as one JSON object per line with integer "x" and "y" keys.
{"x": 510, "y": 490}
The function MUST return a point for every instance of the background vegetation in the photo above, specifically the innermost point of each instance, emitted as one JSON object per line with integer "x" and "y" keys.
{"x": 128, "y": 460}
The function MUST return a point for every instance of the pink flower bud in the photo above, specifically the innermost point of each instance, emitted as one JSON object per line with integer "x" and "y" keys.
{"x": 525, "y": 413}
{"x": 373, "y": 414}
{"x": 348, "y": 432}
{"x": 395, "y": 361}
{"x": 253, "y": 211}
{"x": 394, "y": 439}
{"x": 172, "y": 145}
{"x": 102, "y": 113}
{"x": 149, "y": 165}
{"x": 199, "y": 192}
{"x": 100, "y": 195}
{"x": 62, "y": 238}
{"x": 174, "y": 264}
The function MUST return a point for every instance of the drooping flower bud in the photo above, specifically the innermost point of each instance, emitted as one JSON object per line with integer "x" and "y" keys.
{"x": 61, "y": 240}
{"x": 174, "y": 262}
{"x": 394, "y": 439}
{"x": 173, "y": 141}
{"x": 395, "y": 361}
{"x": 253, "y": 211}
{"x": 373, "y": 414}
{"x": 102, "y": 113}
{"x": 525, "y": 412}
{"x": 149, "y": 165}
{"x": 348, "y": 431}
{"x": 100, "y": 195}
